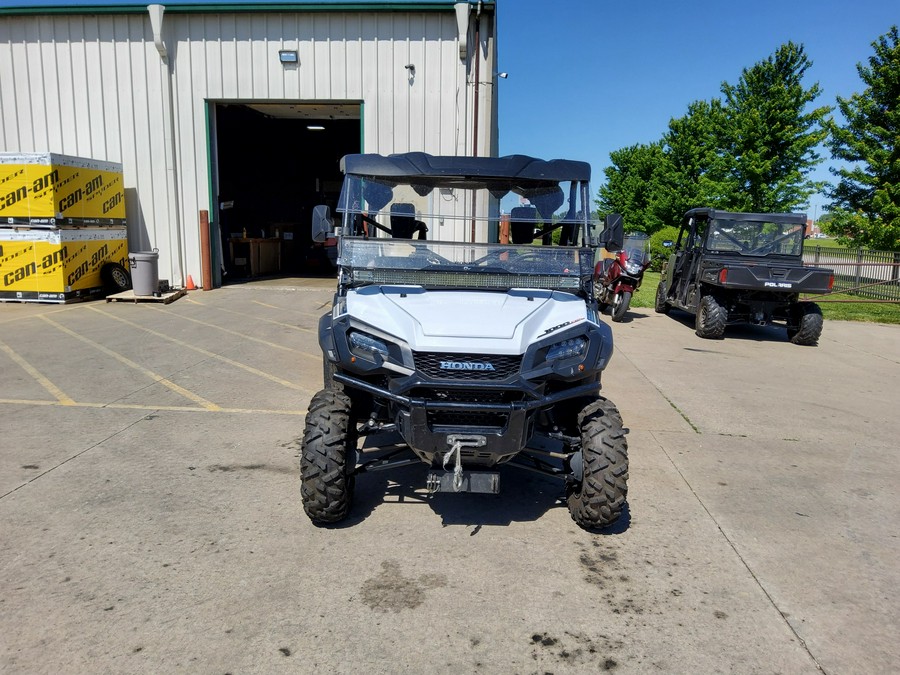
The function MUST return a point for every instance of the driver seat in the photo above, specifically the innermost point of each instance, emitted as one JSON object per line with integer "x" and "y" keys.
{"x": 403, "y": 222}
{"x": 522, "y": 220}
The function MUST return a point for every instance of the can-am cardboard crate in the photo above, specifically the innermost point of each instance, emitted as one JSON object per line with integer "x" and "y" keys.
{"x": 50, "y": 190}
{"x": 60, "y": 264}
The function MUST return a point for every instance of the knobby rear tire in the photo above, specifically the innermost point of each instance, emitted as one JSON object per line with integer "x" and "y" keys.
{"x": 807, "y": 325}
{"x": 711, "y": 319}
{"x": 597, "y": 501}
{"x": 328, "y": 458}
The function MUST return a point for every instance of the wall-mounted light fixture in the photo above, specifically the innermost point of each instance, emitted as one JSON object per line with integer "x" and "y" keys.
{"x": 501, "y": 75}
{"x": 411, "y": 67}
{"x": 315, "y": 127}
{"x": 288, "y": 57}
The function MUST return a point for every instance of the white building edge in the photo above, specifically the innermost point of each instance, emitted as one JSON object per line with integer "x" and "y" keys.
{"x": 140, "y": 85}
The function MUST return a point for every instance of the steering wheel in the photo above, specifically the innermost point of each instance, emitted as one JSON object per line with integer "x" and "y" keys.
{"x": 432, "y": 258}
{"x": 517, "y": 260}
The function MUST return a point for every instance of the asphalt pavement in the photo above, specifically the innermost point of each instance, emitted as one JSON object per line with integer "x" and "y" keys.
{"x": 150, "y": 512}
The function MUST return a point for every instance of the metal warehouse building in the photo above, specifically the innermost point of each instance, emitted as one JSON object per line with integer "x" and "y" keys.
{"x": 244, "y": 110}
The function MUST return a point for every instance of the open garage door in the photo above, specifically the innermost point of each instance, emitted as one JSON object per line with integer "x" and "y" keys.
{"x": 272, "y": 163}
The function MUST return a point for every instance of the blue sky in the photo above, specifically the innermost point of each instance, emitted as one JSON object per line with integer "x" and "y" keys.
{"x": 589, "y": 76}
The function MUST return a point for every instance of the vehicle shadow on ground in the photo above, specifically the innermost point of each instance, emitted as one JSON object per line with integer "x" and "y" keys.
{"x": 628, "y": 318}
{"x": 740, "y": 331}
{"x": 524, "y": 496}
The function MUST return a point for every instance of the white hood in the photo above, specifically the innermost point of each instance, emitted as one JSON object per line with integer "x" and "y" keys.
{"x": 465, "y": 321}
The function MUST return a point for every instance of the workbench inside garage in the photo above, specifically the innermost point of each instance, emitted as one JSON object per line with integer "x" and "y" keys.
{"x": 255, "y": 256}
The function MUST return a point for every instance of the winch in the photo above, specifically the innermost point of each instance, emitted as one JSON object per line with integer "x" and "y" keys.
{"x": 458, "y": 480}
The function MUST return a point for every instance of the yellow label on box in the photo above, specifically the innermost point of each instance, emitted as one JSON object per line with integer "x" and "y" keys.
{"x": 48, "y": 187}
{"x": 57, "y": 261}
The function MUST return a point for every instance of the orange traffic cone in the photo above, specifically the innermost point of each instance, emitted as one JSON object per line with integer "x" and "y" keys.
{"x": 190, "y": 284}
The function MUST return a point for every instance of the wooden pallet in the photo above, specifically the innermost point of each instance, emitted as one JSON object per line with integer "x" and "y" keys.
{"x": 129, "y": 296}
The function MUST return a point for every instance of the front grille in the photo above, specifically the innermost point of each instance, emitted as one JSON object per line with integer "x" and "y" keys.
{"x": 503, "y": 366}
{"x": 467, "y": 418}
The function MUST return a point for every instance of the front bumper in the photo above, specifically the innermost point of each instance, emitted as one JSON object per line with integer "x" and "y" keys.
{"x": 502, "y": 428}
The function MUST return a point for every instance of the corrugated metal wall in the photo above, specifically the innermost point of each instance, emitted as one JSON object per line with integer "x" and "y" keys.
{"x": 95, "y": 86}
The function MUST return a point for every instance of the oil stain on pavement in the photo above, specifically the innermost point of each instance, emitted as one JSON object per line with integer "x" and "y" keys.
{"x": 390, "y": 591}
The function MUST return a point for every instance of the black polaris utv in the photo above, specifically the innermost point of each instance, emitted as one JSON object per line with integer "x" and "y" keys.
{"x": 743, "y": 268}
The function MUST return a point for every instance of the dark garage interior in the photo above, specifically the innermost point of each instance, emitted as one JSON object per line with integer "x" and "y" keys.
{"x": 275, "y": 163}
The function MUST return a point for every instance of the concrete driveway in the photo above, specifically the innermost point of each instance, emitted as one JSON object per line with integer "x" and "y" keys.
{"x": 150, "y": 516}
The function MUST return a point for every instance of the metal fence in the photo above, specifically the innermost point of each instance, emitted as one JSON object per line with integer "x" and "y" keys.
{"x": 871, "y": 275}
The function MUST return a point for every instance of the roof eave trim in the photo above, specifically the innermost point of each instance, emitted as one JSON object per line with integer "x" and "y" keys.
{"x": 237, "y": 8}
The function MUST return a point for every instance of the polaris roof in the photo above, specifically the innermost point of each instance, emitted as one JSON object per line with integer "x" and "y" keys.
{"x": 446, "y": 170}
{"x": 733, "y": 215}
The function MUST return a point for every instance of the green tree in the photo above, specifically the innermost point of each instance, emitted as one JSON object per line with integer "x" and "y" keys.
{"x": 631, "y": 185}
{"x": 754, "y": 150}
{"x": 692, "y": 171}
{"x": 866, "y": 200}
{"x": 770, "y": 134}
{"x": 659, "y": 254}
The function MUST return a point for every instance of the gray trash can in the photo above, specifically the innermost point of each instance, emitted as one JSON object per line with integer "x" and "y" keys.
{"x": 144, "y": 271}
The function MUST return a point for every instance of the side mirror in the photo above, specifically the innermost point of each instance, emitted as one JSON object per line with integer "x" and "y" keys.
{"x": 322, "y": 225}
{"x": 668, "y": 243}
{"x": 613, "y": 232}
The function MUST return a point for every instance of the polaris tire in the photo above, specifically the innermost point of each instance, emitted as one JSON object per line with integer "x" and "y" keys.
{"x": 115, "y": 278}
{"x": 807, "y": 324}
{"x": 659, "y": 304}
{"x": 711, "y": 319}
{"x": 621, "y": 301}
{"x": 597, "y": 500}
{"x": 328, "y": 458}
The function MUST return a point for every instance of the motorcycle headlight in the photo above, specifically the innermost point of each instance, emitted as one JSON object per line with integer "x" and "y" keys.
{"x": 633, "y": 268}
{"x": 365, "y": 345}
{"x": 567, "y": 349}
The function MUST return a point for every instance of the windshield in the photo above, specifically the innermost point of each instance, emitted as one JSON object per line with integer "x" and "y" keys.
{"x": 755, "y": 237}
{"x": 460, "y": 208}
{"x": 637, "y": 248}
{"x": 461, "y": 265}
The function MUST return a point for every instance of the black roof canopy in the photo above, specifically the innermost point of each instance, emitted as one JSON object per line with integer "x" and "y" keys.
{"x": 453, "y": 171}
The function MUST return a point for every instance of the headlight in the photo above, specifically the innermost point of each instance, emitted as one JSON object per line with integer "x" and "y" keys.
{"x": 633, "y": 268}
{"x": 363, "y": 344}
{"x": 567, "y": 349}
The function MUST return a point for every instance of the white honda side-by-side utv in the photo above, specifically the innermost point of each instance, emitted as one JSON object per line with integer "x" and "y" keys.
{"x": 445, "y": 349}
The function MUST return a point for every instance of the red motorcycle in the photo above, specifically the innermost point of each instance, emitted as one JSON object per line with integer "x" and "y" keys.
{"x": 619, "y": 277}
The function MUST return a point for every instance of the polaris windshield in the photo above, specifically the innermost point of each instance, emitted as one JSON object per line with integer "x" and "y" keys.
{"x": 755, "y": 238}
